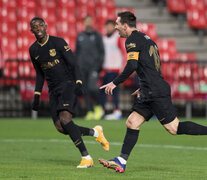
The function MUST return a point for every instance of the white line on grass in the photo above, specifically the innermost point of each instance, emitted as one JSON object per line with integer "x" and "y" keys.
{"x": 111, "y": 143}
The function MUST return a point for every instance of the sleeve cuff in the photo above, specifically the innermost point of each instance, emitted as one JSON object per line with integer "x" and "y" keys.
{"x": 38, "y": 93}
{"x": 115, "y": 82}
{"x": 79, "y": 81}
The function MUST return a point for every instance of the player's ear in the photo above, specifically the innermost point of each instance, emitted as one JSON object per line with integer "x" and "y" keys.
{"x": 125, "y": 26}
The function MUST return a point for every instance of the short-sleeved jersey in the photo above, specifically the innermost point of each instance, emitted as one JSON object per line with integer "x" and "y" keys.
{"x": 144, "y": 50}
{"x": 52, "y": 60}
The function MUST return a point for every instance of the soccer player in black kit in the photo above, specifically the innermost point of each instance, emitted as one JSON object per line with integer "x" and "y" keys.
{"x": 154, "y": 96}
{"x": 54, "y": 61}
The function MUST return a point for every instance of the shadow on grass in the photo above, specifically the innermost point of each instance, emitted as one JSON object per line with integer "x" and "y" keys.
{"x": 64, "y": 162}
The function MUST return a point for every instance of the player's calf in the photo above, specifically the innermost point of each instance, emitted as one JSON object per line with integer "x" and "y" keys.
{"x": 191, "y": 128}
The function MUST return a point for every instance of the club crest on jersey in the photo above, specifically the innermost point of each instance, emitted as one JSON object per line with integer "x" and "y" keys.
{"x": 52, "y": 52}
{"x": 130, "y": 45}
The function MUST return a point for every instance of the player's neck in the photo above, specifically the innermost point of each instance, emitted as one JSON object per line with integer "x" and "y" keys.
{"x": 43, "y": 40}
{"x": 131, "y": 30}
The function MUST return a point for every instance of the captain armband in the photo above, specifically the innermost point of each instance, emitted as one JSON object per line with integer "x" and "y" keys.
{"x": 133, "y": 55}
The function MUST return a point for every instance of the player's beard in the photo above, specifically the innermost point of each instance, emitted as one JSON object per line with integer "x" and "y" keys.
{"x": 123, "y": 34}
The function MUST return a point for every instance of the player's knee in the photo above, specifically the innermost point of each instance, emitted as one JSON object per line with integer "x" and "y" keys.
{"x": 172, "y": 127}
{"x": 61, "y": 130}
{"x": 65, "y": 117}
{"x": 132, "y": 124}
{"x": 59, "y": 127}
{"x": 172, "y": 131}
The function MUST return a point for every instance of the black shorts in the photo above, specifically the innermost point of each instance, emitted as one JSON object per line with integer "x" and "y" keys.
{"x": 162, "y": 107}
{"x": 63, "y": 98}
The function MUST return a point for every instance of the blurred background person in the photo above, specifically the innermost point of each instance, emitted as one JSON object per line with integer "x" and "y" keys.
{"x": 112, "y": 65}
{"x": 90, "y": 54}
{"x": 1, "y": 59}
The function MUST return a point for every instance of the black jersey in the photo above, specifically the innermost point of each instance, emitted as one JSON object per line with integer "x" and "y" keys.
{"x": 143, "y": 57}
{"x": 53, "y": 61}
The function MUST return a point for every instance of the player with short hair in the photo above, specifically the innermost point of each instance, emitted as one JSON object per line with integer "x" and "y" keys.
{"x": 54, "y": 61}
{"x": 154, "y": 96}
{"x": 113, "y": 51}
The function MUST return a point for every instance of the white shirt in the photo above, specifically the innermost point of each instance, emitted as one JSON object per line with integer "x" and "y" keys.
{"x": 113, "y": 56}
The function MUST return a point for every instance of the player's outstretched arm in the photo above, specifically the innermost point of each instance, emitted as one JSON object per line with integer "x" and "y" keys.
{"x": 130, "y": 67}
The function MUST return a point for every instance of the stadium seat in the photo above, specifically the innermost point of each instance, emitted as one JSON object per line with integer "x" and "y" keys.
{"x": 8, "y": 3}
{"x": 9, "y": 45}
{"x": 26, "y": 3}
{"x": 48, "y": 14}
{"x": 27, "y": 90}
{"x": 26, "y": 70}
{"x": 10, "y": 72}
{"x": 86, "y": 3}
{"x": 79, "y": 26}
{"x": 10, "y": 69}
{"x": 149, "y": 29}
{"x": 195, "y": 4}
{"x": 64, "y": 27}
{"x": 8, "y": 29}
{"x": 191, "y": 60}
{"x": 23, "y": 69}
{"x": 25, "y": 41}
{"x": 46, "y": 3}
{"x": 182, "y": 90}
{"x": 200, "y": 85}
{"x": 168, "y": 52}
{"x": 168, "y": 69}
{"x": 82, "y": 11}
{"x": 101, "y": 2}
{"x": 8, "y": 14}
{"x": 196, "y": 14}
{"x": 66, "y": 3}
{"x": 167, "y": 49}
{"x": 176, "y": 6}
{"x": 186, "y": 56}
{"x": 23, "y": 54}
{"x": 105, "y": 13}
{"x": 23, "y": 27}
{"x": 197, "y": 18}
{"x": 65, "y": 14}
{"x": 51, "y": 29}
{"x": 25, "y": 14}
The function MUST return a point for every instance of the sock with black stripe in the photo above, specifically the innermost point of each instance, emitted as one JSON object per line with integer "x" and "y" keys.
{"x": 86, "y": 131}
{"x": 75, "y": 135}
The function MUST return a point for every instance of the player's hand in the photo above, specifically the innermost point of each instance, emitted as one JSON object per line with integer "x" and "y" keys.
{"x": 35, "y": 103}
{"x": 136, "y": 93}
{"x": 108, "y": 88}
{"x": 79, "y": 91}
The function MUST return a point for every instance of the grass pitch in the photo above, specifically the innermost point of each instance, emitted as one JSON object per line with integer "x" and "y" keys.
{"x": 33, "y": 149}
